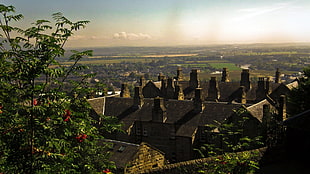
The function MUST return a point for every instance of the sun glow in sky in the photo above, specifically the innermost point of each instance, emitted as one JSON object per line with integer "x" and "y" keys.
{"x": 176, "y": 22}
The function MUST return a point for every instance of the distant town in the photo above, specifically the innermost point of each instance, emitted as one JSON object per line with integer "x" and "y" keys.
{"x": 116, "y": 65}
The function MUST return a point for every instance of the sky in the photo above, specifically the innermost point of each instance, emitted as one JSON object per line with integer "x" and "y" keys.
{"x": 175, "y": 22}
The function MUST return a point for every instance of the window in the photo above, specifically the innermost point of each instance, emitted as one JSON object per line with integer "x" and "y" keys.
{"x": 144, "y": 132}
{"x": 138, "y": 131}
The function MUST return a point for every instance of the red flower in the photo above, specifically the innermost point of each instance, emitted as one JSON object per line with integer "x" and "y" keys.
{"x": 35, "y": 102}
{"x": 1, "y": 106}
{"x": 21, "y": 130}
{"x": 106, "y": 171}
{"x": 67, "y": 115}
{"x": 66, "y": 118}
{"x": 68, "y": 112}
{"x": 81, "y": 137}
{"x": 84, "y": 136}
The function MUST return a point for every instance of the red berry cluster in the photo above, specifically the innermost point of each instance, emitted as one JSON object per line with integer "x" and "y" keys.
{"x": 67, "y": 115}
{"x": 81, "y": 137}
{"x": 1, "y": 108}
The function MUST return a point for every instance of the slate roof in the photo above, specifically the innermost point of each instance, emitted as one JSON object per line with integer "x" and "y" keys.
{"x": 282, "y": 89}
{"x": 217, "y": 111}
{"x": 256, "y": 110}
{"x": 122, "y": 152}
{"x": 97, "y": 104}
{"x": 180, "y": 112}
{"x": 212, "y": 111}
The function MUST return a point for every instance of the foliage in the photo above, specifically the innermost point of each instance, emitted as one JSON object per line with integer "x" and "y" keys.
{"x": 229, "y": 137}
{"x": 242, "y": 162}
{"x": 299, "y": 98}
{"x": 44, "y": 129}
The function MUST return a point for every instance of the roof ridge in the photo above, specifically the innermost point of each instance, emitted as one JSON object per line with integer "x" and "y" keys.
{"x": 122, "y": 142}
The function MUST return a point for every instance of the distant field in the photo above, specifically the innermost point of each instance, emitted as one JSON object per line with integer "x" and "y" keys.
{"x": 230, "y": 66}
{"x": 195, "y": 65}
{"x": 267, "y": 53}
{"x": 207, "y": 61}
{"x": 145, "y": 56}
{"x": 110, "y": 61}
{"x": 170, "y": 55}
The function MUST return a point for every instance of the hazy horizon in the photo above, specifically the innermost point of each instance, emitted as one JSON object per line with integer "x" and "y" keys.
{"x": 176, "y": 22}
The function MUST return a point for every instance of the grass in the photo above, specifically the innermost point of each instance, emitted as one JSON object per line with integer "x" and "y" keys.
{"x": 230, "y": 66}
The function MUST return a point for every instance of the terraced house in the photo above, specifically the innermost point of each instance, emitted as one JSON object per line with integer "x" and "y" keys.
{"x": 173, "y": 115}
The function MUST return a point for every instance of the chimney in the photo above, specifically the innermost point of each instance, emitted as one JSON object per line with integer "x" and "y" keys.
{"x": 277, "y": 77}
{"x": 161, "y": 77}
{"x": 179, "y": 74}
{"x": 125, "y": 91}
{"x": 225, "y": 75}
{"x": 159, "y": 113}
{"x": 242, "y": 97}
{"x": 268, "y": 88}
{"x": 198, "y": 100}
{"x": 138, "y": 97}
{"x": 266, "y": 120}
{"x": 178, "y": 92}
{"x": 263, "y": 88}
{"x": 163, "y": 87}
{"x": 142, "y": 81}
{"x": 245, "y": 79}
{"x": 213, "y": 91}
{"x": 282, "y": 108}
{"x": 169, "y": 89}
{"x": 266, "y": 112}
{"x": 194, "y": 79}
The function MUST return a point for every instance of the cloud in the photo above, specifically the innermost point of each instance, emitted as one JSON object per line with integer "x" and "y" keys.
{"x": 253, "y": 12}
{"x": 86, "y": 37}
{"x": 77, "y": 37}
{"x": 131, "y": 36}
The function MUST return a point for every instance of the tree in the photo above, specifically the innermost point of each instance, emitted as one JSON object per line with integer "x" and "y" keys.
{"x": 299, "y": 97}
{"x": 43, "y": 128}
